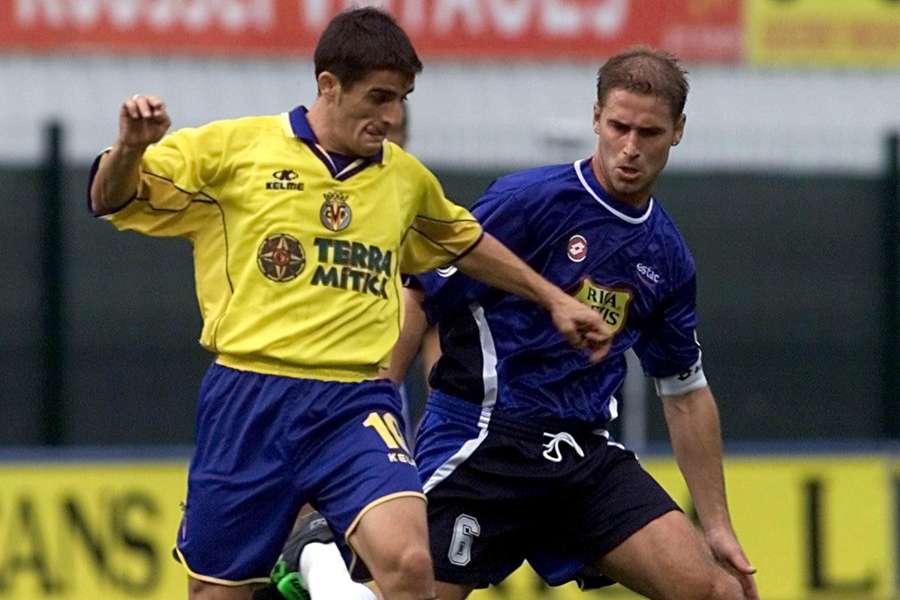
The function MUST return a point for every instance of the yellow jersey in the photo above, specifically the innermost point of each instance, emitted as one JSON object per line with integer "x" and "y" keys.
{"x": 297, "y": 261}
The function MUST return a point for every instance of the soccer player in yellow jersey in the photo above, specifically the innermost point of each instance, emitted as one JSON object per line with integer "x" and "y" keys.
{"x": 301, "y": 224}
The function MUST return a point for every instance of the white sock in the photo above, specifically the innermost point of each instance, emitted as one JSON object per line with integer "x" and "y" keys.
{"x": 326, "y": 575}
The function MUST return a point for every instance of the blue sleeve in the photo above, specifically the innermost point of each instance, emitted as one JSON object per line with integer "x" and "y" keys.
{"x": 501, "y": 214}
{"x": 504, "y": 214}
{"x": 669, "y": 346}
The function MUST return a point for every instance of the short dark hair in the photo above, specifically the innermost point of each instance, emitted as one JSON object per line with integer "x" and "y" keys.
{"x": 359, "y": 41}
{"x": 645, "y": 70}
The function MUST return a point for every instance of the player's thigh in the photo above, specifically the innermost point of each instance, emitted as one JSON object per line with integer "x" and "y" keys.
{"x": 389, "y": 533}
{"x": 667, "y": 560}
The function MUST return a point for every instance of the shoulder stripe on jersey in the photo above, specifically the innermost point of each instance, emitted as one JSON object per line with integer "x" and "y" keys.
{"x": 444, "y": 248}
{"x": 618, "y": 213}
{"x": 433, "y": 220}
{"x": 489, "y": 376}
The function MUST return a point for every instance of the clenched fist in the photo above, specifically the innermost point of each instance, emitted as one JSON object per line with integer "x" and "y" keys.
{"x": 143, "y": 120}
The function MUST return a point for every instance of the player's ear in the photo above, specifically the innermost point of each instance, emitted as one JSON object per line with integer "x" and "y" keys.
{"x": 597, "y": 109}
{"x": 679, "y": 129}
{"x": 329, "y": 85}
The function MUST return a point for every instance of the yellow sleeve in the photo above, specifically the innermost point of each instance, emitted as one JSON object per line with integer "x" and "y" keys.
{"x": 173, "y": 196}
{"x": 441, "y": 231}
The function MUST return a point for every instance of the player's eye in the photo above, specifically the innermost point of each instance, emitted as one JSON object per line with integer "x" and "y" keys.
{"x": 380, "y": 97}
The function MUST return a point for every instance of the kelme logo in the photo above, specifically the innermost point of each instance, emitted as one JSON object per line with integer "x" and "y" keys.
{"x": 285, "y": 179}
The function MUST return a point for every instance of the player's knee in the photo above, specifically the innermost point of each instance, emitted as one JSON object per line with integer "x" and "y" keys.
{"x": 416, "y": 562}
{"x": 409, "y": 567}
{"x": 723, "y": 586}
{"x": 711, "y": 583}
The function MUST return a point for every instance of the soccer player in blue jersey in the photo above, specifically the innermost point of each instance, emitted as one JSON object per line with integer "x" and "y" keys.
{"x": 301, "y": 224}
{"x": 513, "y": 450}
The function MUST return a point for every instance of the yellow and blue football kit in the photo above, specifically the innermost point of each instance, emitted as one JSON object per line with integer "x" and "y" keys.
{"x": 297, "y": 258}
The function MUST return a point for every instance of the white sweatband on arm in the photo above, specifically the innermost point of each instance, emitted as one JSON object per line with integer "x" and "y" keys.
{"x": 677, "y": 385}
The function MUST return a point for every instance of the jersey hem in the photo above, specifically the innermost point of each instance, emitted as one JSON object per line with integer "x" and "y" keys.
{"x": 283, "y": 369}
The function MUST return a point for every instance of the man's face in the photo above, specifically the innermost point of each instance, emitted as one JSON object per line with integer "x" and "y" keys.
{"x": 634, "y": 135}
{"x": 362, "y": 115}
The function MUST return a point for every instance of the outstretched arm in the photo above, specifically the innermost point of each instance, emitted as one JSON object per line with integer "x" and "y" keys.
{"x": 492, "y": 263}
{"x": 693, "y": 422}
{"x": 143, "y": 120}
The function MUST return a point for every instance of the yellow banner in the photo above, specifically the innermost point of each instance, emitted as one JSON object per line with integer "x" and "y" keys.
{"x": 813, "y": 526}
{"x": 823, "y": 33}
{"x": 90, "y": 531}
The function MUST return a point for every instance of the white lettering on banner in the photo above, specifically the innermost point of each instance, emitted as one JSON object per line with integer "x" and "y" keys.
{"x": 605, "y": 18}
{"x": 511, "y": 16}
{"x": 411, "y": 13}
{"x": 53, "y": 10}
{"x": 559, "y": 17}
{"x": 413, "y": 16}
{"x": 317, "y": 12}
{"x": 446, "y": 12}
{"x": 233, "y": 15}
{"x": 610, "y": 17}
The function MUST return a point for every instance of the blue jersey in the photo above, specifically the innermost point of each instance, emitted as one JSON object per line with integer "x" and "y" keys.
{"x": 632, "y": 265}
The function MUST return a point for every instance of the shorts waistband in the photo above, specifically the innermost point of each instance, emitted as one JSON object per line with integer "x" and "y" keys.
{"x": 522, "y": 426}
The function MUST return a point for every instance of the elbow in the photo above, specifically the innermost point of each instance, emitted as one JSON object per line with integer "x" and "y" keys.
{"x": 97, "y": 208}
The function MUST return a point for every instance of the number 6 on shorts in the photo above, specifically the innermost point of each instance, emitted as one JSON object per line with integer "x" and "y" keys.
{"x": 465, "y": 530}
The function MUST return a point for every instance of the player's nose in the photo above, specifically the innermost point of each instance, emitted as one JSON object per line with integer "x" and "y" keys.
{"x": 392, "y": 114}
{"x": 630, "y": 148}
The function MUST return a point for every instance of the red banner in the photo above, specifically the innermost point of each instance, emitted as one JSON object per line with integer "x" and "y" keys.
{"x": 483, "y": 29}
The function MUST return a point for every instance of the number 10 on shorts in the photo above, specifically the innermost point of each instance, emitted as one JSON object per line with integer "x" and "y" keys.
{"x": 386, "y": 426}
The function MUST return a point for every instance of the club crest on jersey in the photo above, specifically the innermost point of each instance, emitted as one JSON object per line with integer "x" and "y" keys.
{"x": 577, "y": 250}
{"x": 612, "y": 304}
{"x": 280, "y": 257}
{"x": 335, "y": 212}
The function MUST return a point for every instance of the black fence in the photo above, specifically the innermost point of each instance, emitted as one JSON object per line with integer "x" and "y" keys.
{"x": 798, "y": 279}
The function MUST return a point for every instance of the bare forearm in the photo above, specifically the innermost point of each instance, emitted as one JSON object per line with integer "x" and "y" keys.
{"x": 143, "y": 120}
{"x": 407, "y": 346}
{"x": 693, "y": 422}
{"x": 116, "y": 180}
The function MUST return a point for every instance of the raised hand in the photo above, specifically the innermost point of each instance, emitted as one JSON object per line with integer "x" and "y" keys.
{"x": 143, "y": 120}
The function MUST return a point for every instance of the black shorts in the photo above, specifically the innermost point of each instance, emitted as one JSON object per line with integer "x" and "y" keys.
{"x": 560, "y": 499}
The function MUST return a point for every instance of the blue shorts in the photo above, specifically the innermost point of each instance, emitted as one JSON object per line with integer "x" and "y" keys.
{"x": 265, "y": 446}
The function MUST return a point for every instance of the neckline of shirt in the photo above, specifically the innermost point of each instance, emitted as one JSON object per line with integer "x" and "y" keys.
{"x": 339, "y": 165}
{"x": 626, "y": 212}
